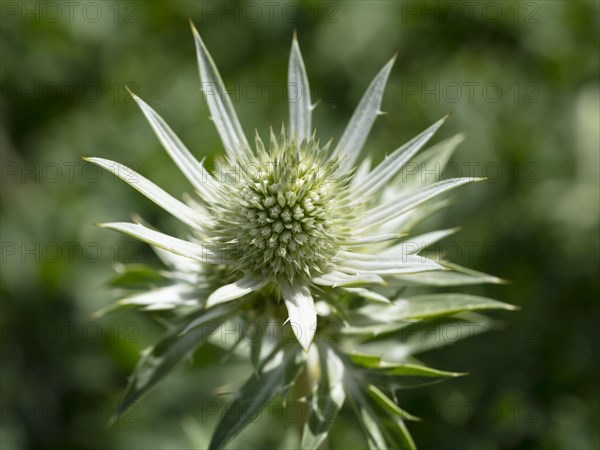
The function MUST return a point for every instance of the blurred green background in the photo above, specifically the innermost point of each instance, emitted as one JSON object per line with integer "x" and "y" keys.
{"x": 521, "y": 79}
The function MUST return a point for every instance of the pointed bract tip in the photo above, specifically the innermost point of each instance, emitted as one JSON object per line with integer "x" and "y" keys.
{"x": 388, "y": 65}
{"x": 295, "y": 36}
{"x": 136, "y": 218}
{"x": 130, "y": 92}
{"x": 192, "y": 26}
{"x": 305, "y": 345}
{"x": 96, "y": 315}
{"x": 111, "y": 422}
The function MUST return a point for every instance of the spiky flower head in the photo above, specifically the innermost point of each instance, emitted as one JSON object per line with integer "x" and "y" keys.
{"x": 300, "y": 221}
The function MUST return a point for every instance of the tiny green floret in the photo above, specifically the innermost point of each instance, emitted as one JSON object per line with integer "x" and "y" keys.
{"x": 283, "y": 212}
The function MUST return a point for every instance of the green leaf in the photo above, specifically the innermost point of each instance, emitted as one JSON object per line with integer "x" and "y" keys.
{"x": 375, "y": 319}
{"x": 369, "y": 295}
{"x": 375, "y": 438}
{"x": 384, "y": 428}
{"x": 401, "y": 378}
{"x": 110, "y": 309}
{"x": 456, "y": 276}
{"x": 275, "y": 376}
{"x": 372, "y": 362}
{"x": 363, "y": 359}
{"x": 413, "y": 338}
{"x": 129, "y": 276}
{"x": 375, "y": 329}
{"x": 420, "y": 371}
{"x": 434, "y": 305}
{"x": 398, "y": 435}
{"x": 384, "y": 402}
{"x": 135, "y": 276}
{"x": 233, "y": 343}
{"x": 214, "y": 313}
{"x": 402, "y": 375}
{"x": 330, "y": 397}
{"x": 428, "y": 335}
{"x": 159, "y": 360}
{"x": 256, "y": 344}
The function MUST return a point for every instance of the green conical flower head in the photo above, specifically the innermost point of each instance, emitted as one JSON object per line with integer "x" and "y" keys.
{"x": 283, "y": 211}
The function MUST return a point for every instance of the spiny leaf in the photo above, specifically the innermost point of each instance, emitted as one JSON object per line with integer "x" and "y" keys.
{"x": 384, "y": 402}
{"x": 384, "y": 428}
{"x": 159, "y": 360}
{"x": 135, "y": 276}
{"x": 367, "y": 421}
{"x": 372, "y": 369}
{"x": 375, "y": 363}
{"x": 418, "y": 370}
{"x": 398, "y": 435}
{"x": 330, "y": 397}
{"x": 275, "y": 376}
{"x": 365, "y": 360}
{"x": 427, "y": 306}
{"x": 395, "y": 345}
{"x": 456, "y": 276}
{"x": 379, "y": 318}
{"x": 256, "y": 342}
{"x": 432, "y": 334}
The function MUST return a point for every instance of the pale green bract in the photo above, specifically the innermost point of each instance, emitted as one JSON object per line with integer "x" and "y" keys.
{"x": 298, "y": 221}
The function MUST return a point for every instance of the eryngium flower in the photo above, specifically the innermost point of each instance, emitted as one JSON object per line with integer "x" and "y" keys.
{"x": 295, "y": 214}
{"x": 301, "y": 221}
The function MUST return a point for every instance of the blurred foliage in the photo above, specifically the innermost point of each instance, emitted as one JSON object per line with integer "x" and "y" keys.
{"x": 521, "y": 79}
